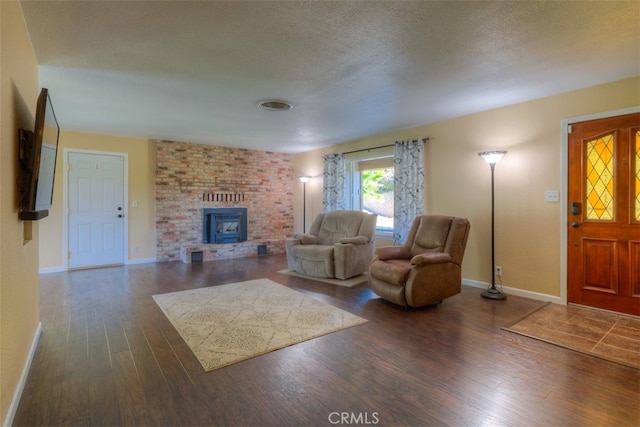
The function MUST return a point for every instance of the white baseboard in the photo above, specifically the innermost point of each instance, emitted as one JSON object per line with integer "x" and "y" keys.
{"x": 515, "y": 291}
{"x": 127, "y": 262}
{"x": 52, "y": 270}
{"x": 13, "y": 408}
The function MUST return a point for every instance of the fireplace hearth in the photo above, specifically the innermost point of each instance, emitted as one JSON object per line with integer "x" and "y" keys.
{"x": 224, "y": 225}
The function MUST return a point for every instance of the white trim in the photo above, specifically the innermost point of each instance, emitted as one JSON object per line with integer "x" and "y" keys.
{"x": 17, "y": 395}
{"x": 515, "y": 291}
{"x": 385, "y": 235}
{"x": 564, "y": 165}
{"x": 140, "y": 261}
{"x": 65, "y": 201}
{"x": 60, "y": 269}
{"x": 48, "y": 270}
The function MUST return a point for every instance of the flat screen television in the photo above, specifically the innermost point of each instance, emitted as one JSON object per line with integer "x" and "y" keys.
{"x": 37, "y": 155}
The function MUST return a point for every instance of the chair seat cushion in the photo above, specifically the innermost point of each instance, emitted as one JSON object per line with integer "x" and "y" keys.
{"x": 313, "y": 252}
{"x": 393, "y": 271}
{"x": 313, "y": 260}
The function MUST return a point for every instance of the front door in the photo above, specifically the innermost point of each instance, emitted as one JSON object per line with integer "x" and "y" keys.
{"x": 604, "y": 214}
{"x": 96, "y": 210}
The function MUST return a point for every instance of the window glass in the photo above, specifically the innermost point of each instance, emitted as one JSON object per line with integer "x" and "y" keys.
{"x": 637, "y": 175}
{"x": 600, "y": 178}
{"x": 377, "y": 196}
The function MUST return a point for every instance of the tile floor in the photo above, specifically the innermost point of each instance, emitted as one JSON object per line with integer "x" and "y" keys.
{"x": 611, "y": 336}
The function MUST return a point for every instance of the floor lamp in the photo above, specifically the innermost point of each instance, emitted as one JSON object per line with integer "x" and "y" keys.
{"x": 492, "y": 157}
{"x": 304, "y": 180}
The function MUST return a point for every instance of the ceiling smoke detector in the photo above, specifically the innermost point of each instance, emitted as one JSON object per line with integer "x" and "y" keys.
{"x": 275, "y": 105}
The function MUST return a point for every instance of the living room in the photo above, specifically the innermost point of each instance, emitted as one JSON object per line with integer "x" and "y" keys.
{"x": 530, "y": 233}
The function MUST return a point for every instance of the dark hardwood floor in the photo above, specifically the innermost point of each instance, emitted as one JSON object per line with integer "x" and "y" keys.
{"x": 108, "y": 356}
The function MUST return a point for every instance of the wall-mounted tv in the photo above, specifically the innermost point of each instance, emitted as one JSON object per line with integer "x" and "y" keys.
{"x": 37, "y": 155}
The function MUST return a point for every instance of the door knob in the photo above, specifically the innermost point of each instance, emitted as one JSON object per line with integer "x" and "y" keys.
{"x": 575, "y": 224}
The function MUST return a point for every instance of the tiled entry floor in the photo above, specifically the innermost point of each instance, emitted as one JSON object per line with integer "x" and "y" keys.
{"x": 604, "y": 334}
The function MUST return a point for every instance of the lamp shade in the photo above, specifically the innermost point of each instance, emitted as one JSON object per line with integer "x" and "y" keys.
{"x": 492, "y": 157}
{"x": 304, "y": 179}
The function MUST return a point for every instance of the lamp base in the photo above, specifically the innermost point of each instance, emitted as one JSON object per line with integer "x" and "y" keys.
{"x": 493, "y": 293}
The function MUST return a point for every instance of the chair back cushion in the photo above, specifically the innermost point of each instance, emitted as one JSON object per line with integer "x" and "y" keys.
{"x": 457, "y": 240}
{"x": 439, "y": 233}
{"x": 429, "y": 234}
{"x": 336, "y": 225}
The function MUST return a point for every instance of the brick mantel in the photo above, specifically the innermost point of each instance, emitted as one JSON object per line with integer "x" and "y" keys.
{"x": 187, "y": 174}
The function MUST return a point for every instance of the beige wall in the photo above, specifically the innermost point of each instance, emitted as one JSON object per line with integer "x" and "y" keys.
{"x": 527, "y": 231}
{"x": 141, "y": 170}
{"x": 19, "y": 316}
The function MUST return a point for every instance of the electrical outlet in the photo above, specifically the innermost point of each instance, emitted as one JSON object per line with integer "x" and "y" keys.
{"x": 134, "y": 250}
{"x": 498, "y": 270}
{"x": 552, "y": 196}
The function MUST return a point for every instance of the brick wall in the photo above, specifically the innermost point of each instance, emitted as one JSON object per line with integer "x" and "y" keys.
{"x": 190, "y": 177}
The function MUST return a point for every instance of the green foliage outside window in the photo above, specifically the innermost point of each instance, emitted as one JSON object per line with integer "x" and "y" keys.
{"x": 377, "y": 195}
{"x": 376, "y": 182}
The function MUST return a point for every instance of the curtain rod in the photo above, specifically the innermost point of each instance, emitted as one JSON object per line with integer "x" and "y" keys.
{"x": 381, "y": 146}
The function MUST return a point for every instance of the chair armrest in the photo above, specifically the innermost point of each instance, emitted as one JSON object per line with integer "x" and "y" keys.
{"x": 305, "y": 239}
{"x": 431, "y": 258}
{"x": 393, "y": 252}
{"x": 358, "y": 240}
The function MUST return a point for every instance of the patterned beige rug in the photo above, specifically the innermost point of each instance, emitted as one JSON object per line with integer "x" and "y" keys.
{"x": 229, "y": 323}
{"x": 346, "y": 283}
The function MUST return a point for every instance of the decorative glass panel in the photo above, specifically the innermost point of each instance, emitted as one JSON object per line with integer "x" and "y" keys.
{"x": 637, "y": 162}
{"x": 600, "y": 178}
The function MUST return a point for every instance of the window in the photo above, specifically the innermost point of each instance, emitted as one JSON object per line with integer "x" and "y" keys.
{"x": 371, "y": 190}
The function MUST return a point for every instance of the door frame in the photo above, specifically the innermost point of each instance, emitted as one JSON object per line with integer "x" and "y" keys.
{"x": 65, "y": 200}
{"x": 564, "y": 161}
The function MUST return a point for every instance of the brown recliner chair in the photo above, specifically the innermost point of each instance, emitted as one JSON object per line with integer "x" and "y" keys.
{"x": 339, "y": 245}
{"x": 427, "y": 269}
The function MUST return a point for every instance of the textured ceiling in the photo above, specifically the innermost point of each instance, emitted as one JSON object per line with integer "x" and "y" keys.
{"x": 194, "y": 71}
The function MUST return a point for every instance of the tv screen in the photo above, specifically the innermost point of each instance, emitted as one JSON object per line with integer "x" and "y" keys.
{"x": 38, "y": 159}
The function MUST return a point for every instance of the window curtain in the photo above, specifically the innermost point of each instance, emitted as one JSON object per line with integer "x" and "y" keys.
{"x": 408, "y": 187}
{"x": 333, "y": 185}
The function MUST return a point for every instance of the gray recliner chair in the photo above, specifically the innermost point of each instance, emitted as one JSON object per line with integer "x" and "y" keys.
{"x": 339, "y": 245}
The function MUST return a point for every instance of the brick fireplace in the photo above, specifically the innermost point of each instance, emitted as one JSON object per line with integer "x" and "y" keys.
{"x": 191, "y": 178}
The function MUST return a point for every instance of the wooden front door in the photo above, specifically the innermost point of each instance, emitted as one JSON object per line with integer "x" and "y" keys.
{"x": 604, "y": 214}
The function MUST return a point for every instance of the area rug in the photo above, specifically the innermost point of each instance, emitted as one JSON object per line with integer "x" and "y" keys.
{"x": 346, "y": 283}
{"x": 229, "y": 323}
{"x": 602, "y": 334}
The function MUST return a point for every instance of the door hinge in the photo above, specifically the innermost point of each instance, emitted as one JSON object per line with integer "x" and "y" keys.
{"x": 69, "y": 255}
{"x": 569, "y": 128}
{"x": 68, "y": 167}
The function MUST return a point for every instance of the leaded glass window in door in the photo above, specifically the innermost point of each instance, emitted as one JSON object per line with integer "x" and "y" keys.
{"x": 600, "y": 178}
{"x": 637, "y": 162}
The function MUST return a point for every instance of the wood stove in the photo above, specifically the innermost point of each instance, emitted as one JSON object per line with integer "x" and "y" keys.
{"x": 224, "y": 225}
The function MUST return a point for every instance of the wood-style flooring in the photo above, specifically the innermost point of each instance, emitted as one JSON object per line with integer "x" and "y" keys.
{"x": 108, "y": 356}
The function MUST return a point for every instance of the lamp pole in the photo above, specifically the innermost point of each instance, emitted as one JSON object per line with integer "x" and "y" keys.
{"x": 492, "y": 157}
{"x": 304, "y": 180}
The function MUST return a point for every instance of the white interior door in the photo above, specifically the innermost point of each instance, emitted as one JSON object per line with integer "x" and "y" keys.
{"x": 96, "y": 210}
